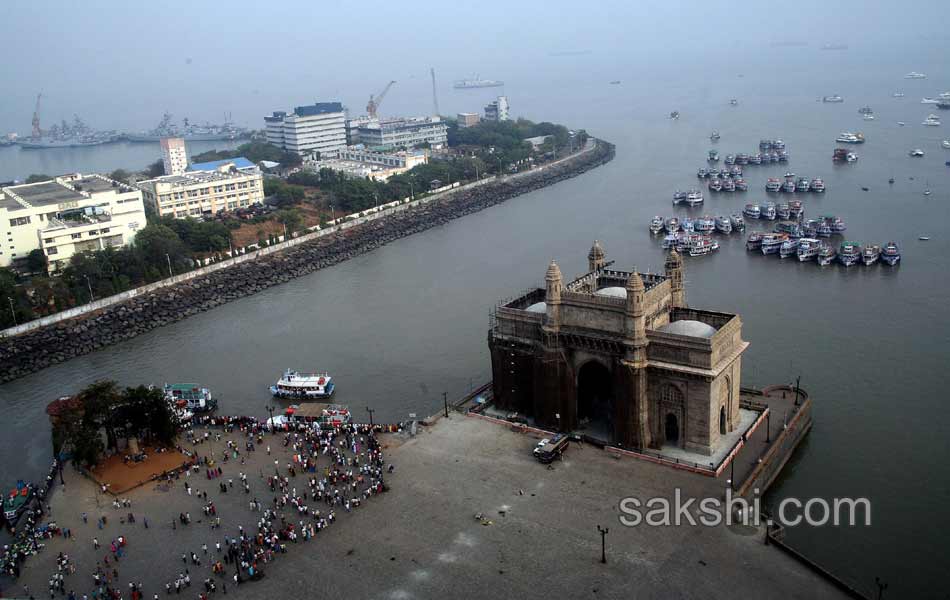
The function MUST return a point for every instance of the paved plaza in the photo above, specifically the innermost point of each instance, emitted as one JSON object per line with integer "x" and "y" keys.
{"x": 537, "y": 535}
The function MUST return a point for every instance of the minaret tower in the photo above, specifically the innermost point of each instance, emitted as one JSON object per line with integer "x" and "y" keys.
{"x": 552, "y": 297}
{"x": 635, "y": 413}
{"x": 674, "y": 271}
{"x": 596, "y": 257}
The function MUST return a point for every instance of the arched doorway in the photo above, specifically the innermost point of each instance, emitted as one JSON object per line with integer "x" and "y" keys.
{"x": 672, "y": 429}
{"x": 595, "y": 400}
{"x": 722, "y": 420}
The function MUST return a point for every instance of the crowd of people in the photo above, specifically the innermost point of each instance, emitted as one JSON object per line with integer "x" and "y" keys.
{"x": 326, "y": 471}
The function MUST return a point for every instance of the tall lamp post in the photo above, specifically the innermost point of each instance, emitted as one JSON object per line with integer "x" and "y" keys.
{"x": 603, "y": 543}
{"x": 12, "y": 310}
{"x": 445, "y": 403}
{"x": 370, "y": 411}
{"x": 270, "y": 409}
{"x": 92, "y": 298}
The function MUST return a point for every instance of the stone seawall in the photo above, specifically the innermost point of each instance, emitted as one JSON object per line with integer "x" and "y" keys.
{"x": 53, "y": 344}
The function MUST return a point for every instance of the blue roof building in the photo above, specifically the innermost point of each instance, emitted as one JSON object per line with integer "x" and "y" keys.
{"x": 240, "y": 163}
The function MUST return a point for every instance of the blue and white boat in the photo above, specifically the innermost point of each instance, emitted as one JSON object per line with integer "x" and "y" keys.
{"x": 294, "y": 384}
{"x": 891, "y": 253}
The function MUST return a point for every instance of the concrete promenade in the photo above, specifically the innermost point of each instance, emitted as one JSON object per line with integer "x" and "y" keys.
{"x": 537, "y": 536}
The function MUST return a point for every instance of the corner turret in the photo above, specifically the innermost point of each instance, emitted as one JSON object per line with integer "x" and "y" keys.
{"x": 674, "y": 272}
{"x": 596, "y": 257}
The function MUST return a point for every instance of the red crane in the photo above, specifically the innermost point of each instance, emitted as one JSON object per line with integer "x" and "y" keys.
{"x": 373, "y": 105}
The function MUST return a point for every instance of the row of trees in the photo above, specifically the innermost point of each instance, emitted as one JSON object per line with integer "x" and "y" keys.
{"x": 160, "y": 249}
{"x": 102, "y": 414}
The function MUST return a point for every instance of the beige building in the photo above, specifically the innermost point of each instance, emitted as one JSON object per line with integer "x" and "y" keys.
{"x": 73, "y": 213}
{"x": 620, "y": 357}
{"x": 229, "y": 185}
{"x": 174, "y": 156}
{"x": 468, "y": 119}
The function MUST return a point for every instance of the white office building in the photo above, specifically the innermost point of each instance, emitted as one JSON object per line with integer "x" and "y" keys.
{"x": 174, "y": 156}
{"x": 70, "y": 214}
{"x": 319, "y": 127}
{"x": 404, "y": 133}
{"x": 498, "y": 110}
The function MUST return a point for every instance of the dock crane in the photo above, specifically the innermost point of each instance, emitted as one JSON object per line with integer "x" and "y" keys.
{"x": 37, "y": 132}
{"x": 374, "y": 101}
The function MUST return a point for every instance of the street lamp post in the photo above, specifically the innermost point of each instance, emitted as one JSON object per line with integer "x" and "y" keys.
{"x": 92, "y": 298}
{"x": 12, "y": 310}
{"x": 603, "y": 543}
{"x": 270, "y": 409}
{"x": 370, "y": 411}
{"x": 445, "y": 403}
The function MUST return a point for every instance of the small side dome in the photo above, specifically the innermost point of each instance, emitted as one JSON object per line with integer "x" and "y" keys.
{"x": 612, "y": 292}
{"x": 538, "y": 307}
{"x": 689, "y": 328}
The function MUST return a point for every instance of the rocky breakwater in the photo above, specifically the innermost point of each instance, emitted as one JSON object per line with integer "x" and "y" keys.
{"x": 56, "y": 343}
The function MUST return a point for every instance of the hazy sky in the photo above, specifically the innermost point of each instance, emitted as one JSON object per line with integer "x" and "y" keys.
{"x": 119, "y": 64}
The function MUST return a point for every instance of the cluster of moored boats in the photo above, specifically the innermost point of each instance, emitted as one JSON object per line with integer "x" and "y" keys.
{"x": 810, "y": 248}
{"x": 771, "y": 211}
{"x": 770, "y": 151}
{"x": 792, "y": 184}
{"x": 694, "y": 236}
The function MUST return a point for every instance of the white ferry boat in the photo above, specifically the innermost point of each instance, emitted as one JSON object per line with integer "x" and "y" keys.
{"x": 915, "y": 75}
{"x": 293, "y": 384}
{"x": 190, "y": 396}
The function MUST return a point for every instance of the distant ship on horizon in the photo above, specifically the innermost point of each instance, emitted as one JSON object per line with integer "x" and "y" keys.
{"x": 476, "y": 82}
{"x": 835, "y": 47}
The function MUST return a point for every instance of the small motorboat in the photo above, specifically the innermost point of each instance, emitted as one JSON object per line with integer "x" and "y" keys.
{"x": 924, "y": 238}
{"x": 866, "y": 189}
{"x": 916, "y": 152}
{"x": 675, "y": 114}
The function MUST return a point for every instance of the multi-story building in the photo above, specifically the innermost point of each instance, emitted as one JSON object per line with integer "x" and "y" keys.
{"x": 498, "y": 110}
{"x": 206, "y": 189}
{"x": 70, "y": 214}
{"x": 362, "y": 163}
{"x": 468, "y": 119}
{"x": 404, "y": 133}
{"x": 174, "y": 156}
{"x": 353, "y": 128}
{"x": 319, "y": 127}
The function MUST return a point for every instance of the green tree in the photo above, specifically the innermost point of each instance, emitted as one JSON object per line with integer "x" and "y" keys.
{"x": 38, "y": 178}
{"x": 122, "y": 175}
{"x": 155, "y": 169}
{"x": 36, "y": 261}
{"x": 159, "y": 245}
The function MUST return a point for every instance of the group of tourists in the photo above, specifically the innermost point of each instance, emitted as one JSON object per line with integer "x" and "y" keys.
{"x": 327, "y": 471}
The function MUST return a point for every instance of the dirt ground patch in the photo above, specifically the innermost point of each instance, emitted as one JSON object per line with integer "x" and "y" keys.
{"x": 122, "y": 476}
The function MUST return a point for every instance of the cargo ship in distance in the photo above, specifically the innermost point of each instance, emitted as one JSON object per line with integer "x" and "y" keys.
{"x": 476, "y": 82}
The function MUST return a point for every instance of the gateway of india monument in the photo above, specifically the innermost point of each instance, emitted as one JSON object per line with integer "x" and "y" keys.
{"x": 620, "y": 356}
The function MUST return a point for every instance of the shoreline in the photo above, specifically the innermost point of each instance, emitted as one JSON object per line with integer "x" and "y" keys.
{"x": 35, "y": 350}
